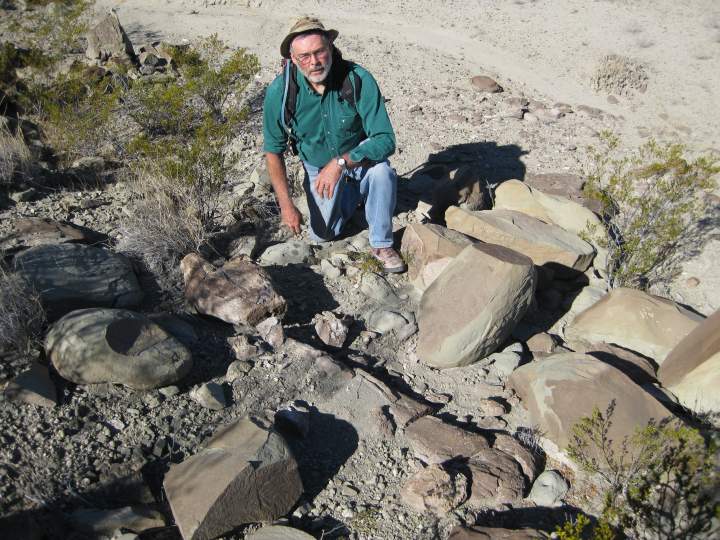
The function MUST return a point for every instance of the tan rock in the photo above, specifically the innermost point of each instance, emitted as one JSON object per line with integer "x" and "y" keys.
{"x": 434, "y": 490}
{"x": 246, "y": 474}
{"x": 541, "y": 342}
{"x": 474, "y": 305}
{"x": 428, "y": 249}
{"x": 639, "y": 368}
{"x": 434, "y": 441}
{"x": 565, "y": 387}
{"x": 494, "y": 533}
{"x": 331, "y": 328}
{"x": 107, "y": 38}
{"x": 692, "y": 369}
{"x": 496, "y": 478}
{"x": 279, "y": 532}
{"x": 632, "y": 319}
{"x": 486, "y": 84}
{"x": 542, "y": 242}
{"x": 530, "y": 461}
{"x": 238, "y": 293}
{"x": 561, "y": 211}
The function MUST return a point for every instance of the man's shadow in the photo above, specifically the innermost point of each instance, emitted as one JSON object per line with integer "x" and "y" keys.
{"x": 462, "y": 174}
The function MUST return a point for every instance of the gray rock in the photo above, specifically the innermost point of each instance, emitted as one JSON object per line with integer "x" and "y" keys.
{"x": 33, "y": 386}
{"x": 31, "y": 232}
{"x": 237, "y": 370}
{"x": 377, "y": 288}
{"x": 246, "y": 474}
{"x": 495, "y": 533}
{"x": 549, "y": 489}
{"x": 329, "y": 270}
{"x": 210, "y": 395}
{"x": 382, "y": 321}
{"x": 108, "y": 39}
{"x": 505, "y": 362}
{"x": 291, "y": 252}
{"x": 73, "y": 276}
{"x": 106, "y": 522}
{"x": 115, "y": 346}
{"x": 279, "y": 532}
{"x": 292, "y": 422}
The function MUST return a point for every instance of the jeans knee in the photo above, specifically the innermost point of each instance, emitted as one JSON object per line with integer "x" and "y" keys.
{"x": 383, "y": 173}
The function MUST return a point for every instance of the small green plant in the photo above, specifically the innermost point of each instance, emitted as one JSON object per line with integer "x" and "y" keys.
{"x": 661, "y": 483}
{"x": 365, "y": 522}
{"x": 366, "y": 262}
{"x": 583, "y": 529}
{"x": 648, "y": 200}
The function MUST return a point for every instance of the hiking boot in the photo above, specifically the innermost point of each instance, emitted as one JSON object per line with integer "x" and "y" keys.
{"x": 390, "y": 260}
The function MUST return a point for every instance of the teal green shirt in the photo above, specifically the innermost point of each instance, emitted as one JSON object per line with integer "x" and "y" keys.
{"x": 327, "y": 126}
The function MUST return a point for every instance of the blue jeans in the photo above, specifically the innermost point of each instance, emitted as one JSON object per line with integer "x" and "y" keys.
{"x": 375, "y": 185}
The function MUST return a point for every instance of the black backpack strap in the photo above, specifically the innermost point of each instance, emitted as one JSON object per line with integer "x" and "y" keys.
{"x": 351, "y": 84}
{"x": 289, "y": 102}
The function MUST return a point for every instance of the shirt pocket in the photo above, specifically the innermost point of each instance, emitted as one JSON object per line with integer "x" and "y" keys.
{"x": 348, "y": 123}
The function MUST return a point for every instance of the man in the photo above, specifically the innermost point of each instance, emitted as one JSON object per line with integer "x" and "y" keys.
{"x": 344, "y": 146}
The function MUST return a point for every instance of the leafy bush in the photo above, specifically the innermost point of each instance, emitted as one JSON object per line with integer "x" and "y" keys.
{"x": 181, "y": 162}
{"x": 21, "y": 314}
{"x": 648, "y": 201}
{"x": 661, "y": 483}
{"x": 75, "y": 110}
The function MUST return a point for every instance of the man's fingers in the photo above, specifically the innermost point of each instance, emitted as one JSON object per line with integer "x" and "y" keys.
{"x": 331, "y": 189}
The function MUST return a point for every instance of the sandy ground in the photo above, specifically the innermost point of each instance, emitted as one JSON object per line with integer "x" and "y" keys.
{"x": 424, "y": 53}
{"x": 544, "y": 48}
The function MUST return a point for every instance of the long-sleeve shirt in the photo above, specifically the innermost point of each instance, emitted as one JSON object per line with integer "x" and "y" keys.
{"x": 327, "y": 126}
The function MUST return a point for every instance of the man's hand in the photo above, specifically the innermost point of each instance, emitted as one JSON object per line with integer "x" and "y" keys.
{"x": 291, "y": 217}
{"x": 327, "y": 179}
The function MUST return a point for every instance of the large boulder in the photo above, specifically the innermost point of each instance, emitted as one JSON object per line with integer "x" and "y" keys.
{"x": 428, "y": 249}
{"x": 90, "y": 346}
{"x": 473, "y": 306}
{"x": 563, "y": 388}
{"x": 496, "y": 478}
{"x": 570, "y": 215}
{"x": 108, "y": 39}
{"x": 245, "y": 474}
{"x": 692, "y": 369}
{"x": 74, "y": 276}
{"x": 649, "y": 325}
{"x": 32, "y": 231}
{"x": 544, "y": 243}
{"x": 240, "y": 292}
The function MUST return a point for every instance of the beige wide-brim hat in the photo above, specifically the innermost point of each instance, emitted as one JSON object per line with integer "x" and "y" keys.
{"x": 302, "y": 26}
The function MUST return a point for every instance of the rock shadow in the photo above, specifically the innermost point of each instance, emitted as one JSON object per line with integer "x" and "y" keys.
{"x": 541, "y": 518}
{"x": 306, "y": 295}
{"x": 320, "y": 455}
{"x": 454, "y": 174}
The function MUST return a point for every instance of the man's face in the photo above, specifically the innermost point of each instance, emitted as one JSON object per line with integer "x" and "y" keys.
{"x": 311, "y": 54}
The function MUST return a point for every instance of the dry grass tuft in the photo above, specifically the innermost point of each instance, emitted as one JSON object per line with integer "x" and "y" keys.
{"x": 21, "y": 314}
{"x": 169, "y": 217}
{"x": 619, "y": 75}
{"x": 14, "y": 155}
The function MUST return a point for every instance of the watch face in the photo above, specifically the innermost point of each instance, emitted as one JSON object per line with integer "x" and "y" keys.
{"x": 341, "y": 162}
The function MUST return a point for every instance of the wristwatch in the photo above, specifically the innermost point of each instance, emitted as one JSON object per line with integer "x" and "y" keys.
{"x": 342, "y": 163}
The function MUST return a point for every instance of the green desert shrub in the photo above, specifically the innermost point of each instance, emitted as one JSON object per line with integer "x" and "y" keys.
{"x": 648, "y": 200}
{"x": 75, "y": 110}
{"x": 180, "y": 155}
{"x": 661, "y": 483}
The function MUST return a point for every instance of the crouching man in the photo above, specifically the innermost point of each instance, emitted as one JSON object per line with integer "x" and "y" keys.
{"x": 331, "y": 112}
